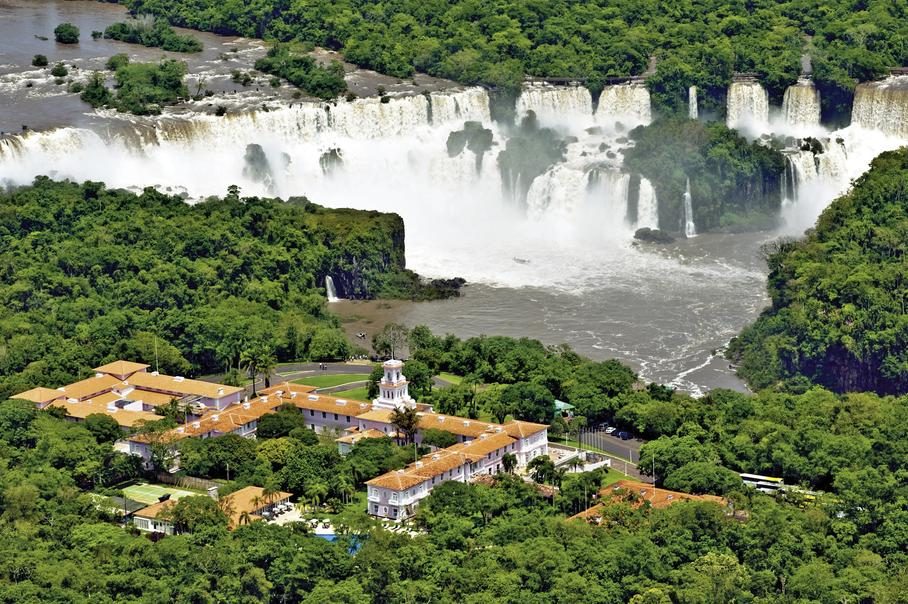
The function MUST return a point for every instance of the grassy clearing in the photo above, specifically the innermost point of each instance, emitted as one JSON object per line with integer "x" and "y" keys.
{"x": 330, "y": 380}
{"x": 450, "y": 377}
{"x": 149, "y": 493}
{"x": 356, "y": 394}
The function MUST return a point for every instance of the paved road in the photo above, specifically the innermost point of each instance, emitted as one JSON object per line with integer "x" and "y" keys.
{"x": 625, "y": 449}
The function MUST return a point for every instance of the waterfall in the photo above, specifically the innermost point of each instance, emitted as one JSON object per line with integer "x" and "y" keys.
{"x": 690, "y": 229}
{"x": 329, "y": 286}
{"x": 554, "y": 103}
{"x": 748, "y": 106}
{"x": 693, "y": 112}
{"x": 628, "y": 104}
{"x": 801, "y": 105}
{"x": 471, "y": 104}
{"x": 561, "y": 189}
{"x": 647, "y": 206}
{"x": 882, "y": 106}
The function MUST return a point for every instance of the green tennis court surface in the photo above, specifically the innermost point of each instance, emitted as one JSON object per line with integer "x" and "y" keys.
{"x": 150, "y": 493}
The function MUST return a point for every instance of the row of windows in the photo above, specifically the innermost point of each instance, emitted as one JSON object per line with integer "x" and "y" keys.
{"x": 325, "y": 416}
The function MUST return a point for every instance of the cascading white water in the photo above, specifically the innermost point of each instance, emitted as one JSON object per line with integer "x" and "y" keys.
{"x": 554, "y": 103}
{"x": 882, "y": 106}
{"x": 748, "y": 106}
{"x": 628, "y": 104}
{"x": 693, "y": 111}
{"x": 801, "y": 105}
{"x": 647, "y": 206}
{"x": 559, "y": 190}
{"x": 471, "y": 104}
{"x": 690, "y": 229}
{"x": 329, "y": 287}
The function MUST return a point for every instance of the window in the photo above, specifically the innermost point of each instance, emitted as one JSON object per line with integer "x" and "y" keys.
{"x": 335, "y": 417}
{"x": 348, "y": 419}
{"x": 374, "y": 508}
{"x": 324, "y": 415}
{"x": 393, "y": 497}
{"x": 311, "y": 413}
{"x": 394, "y": 512}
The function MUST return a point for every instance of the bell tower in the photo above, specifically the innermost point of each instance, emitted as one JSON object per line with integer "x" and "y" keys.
{"x": 392, "y": 389}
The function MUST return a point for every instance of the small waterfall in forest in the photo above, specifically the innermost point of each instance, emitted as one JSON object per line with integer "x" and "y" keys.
{"x": 332, "y": 292}
{"x": 690, "y": 229}
{"x": 554, "y": 103}
{"x": 801, "y": 105}
{"x": 882, "y": 106}
{"x": 748, "y": 106}
{"x": 693, "y": 112}
{"x": 647, "y": 206}
{"x": 628, "y": 104}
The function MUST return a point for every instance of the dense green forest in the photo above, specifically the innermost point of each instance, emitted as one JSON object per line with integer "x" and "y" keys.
{"x": 141, "y": 88}
{"x": 153, "y": 33}
{"x": 734, "y": 183}
{"x": 303, "y": 72}
{"x": 697, "y": 42}
{"x": 502, "y": 543}
{"x": 90, "y": 274}
{"x": 839, "y": 314}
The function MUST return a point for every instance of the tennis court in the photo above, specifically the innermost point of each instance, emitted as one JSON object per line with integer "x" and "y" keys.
{"x": 151, "y": 493}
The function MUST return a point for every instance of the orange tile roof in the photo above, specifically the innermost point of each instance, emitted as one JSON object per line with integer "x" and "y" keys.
{"x": 376, "y": 415}
{"x": 398, "y": 480}
{"x": 246, "y": 501}
{"x": 519, "y": 429}
{"x": 40, "y": 395}
{"x": 155, "y": 399}
{"x": 155, "y": 509}
{"x": 482, "y": 446}
{"x": 437, "y": 463}
{"x": 126, "y": 419}
{"x": 89, "y": 387}
{"x": 288, "y": 387}
{"x": 180, "y": 386}
{"x": 642, "y": 492}
{"x": 355, "y": 437}
{"x": 121, "y": 368}
{"x": 228, "y": 420}
{"x": 460, "y": 426}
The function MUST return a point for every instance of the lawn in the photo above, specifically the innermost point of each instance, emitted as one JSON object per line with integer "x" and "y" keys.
{"x": 356, "y": 394}
{"x": 329, "y": 380}
{"x": 450, "y": 377}
{"x": 150, "y": 493}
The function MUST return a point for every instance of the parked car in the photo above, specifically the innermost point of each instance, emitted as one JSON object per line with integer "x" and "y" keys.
{"x": 624, "y": 435}
{"x": 610, "y": 430}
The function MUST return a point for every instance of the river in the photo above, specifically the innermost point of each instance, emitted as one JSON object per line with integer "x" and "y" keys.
{"x": 666, "y": 311}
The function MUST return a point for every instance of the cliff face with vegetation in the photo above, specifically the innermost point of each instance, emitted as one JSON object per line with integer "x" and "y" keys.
{"x": 735, "y": 184}
{"x": 839, "y": 314}
{"x": 89, "y": 273}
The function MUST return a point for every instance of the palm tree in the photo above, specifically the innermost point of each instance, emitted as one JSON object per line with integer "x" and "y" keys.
{"x": 509, "y": 462}
{"x": 576, "y": 463}
{"x": 245, "y": 518}
{"x": 257, "y": 502}
{"x": 343, "y": 486}
{"x": 406, "y": 421}
{"x": 249, "y": 361}
{"x": 268, "y": 494}
{"x": 316, "y": 491}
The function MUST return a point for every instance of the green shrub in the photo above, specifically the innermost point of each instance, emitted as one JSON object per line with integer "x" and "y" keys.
{"x": 39, "y": 61}
{"x": 66, "y": 33}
